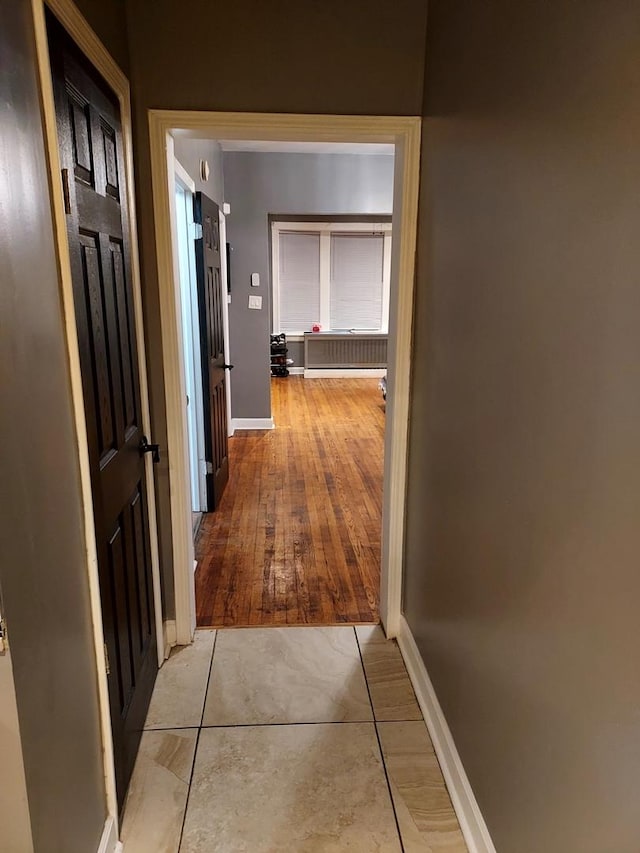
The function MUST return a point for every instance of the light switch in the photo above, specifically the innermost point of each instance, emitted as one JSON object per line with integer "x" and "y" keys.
{"x": 255, "y": 279}
{"x": 255, "y": 302}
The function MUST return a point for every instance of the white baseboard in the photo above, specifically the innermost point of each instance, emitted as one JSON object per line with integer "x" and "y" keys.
{"x": 344, "y": 372}
{"x": 170, "y": 636}
{"x": 464, "y": 802}
{"x": 296, "y": 371}
{"x": 252, "y": 423}
{"x": 109, "y": 841}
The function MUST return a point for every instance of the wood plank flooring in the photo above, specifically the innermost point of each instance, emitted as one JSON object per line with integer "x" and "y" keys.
{"x": 296, "y": 538}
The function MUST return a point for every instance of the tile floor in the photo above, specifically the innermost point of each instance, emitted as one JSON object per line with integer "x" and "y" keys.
{"x": 307, "y": 740}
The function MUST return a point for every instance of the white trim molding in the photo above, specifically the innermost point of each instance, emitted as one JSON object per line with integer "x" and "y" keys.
{"x": 169, "y": 636}
{"x": 474, "y": 828}
{"x": 343, "y": 372}
{"x": 109, "y": 839}
{"x": 252, "y": 423}
{"x": 175, "y": 397}
{"x": 404, "y": 133}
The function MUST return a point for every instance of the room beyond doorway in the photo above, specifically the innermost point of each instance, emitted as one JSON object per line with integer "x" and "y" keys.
{"x": 296, "y": 539}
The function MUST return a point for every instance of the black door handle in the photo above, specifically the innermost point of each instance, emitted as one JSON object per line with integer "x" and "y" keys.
{"x": 145, "y": 447}
{"x": 227, "y": 367}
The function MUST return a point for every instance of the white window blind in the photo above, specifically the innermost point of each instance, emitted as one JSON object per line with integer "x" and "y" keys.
{"x": 357, "y": 273}
{"x": 299, "y": 269}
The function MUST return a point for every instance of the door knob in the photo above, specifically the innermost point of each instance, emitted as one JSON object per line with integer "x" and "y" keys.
{"x": 227, "y": 367}
{"x": 145, "y": 447}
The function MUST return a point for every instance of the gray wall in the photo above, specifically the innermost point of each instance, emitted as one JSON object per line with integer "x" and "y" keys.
{"x": 250, "y": 55}
{"x": 523, "y": 541}
{"x": 190, "y": 152}
{"x": 256, "y": 185}
{"x": 42, "y": 549}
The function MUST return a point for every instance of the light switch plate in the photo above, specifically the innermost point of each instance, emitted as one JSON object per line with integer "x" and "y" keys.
{"x": 255, "y": 302}
{"x": 255, "y": 279}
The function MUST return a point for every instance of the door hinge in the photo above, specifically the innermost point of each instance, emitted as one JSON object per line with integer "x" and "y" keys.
{"x": 209, "y": 467}
{"x": 4, "y": 639}
{"x": 106, "y": 659}
{"x": 197, "y": 231}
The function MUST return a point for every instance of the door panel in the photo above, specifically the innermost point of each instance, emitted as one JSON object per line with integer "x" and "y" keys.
{"x": 97, "y": 221}
{"x": 210, "y": 296}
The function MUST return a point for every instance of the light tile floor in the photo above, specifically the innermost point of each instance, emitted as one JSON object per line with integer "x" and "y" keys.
{"x": 304, "y": 740}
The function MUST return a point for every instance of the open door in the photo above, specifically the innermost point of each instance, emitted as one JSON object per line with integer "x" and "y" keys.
{"x": 92, "y": 161}
{"x": 210, "y": 304}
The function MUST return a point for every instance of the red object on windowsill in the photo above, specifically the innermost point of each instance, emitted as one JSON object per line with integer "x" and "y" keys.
{"x": 316, "y": 327}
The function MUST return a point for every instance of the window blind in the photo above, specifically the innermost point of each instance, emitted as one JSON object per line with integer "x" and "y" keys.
{"x": 299, "y": 267}
{"x": 356, "y": 281}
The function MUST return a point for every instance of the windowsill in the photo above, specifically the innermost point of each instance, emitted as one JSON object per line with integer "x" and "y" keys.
{"x": 299, "y": 336}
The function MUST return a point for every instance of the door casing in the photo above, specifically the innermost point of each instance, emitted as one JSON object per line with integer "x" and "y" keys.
{"x": 404, "y": 132}
{"x": 87, "y": 41}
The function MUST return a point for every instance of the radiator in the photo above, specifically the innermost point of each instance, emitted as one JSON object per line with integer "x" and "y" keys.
{"x": 325, "y": 350}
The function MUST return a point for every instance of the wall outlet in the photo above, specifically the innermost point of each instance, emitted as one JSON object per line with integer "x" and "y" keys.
{"x": 255, "y": 302}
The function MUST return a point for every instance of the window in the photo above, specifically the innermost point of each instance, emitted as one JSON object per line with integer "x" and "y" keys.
{"x": 299, "y": 280}
{"x": 334, "y": 274}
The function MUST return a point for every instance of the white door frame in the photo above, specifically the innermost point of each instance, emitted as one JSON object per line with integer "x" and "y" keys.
{"x": 195, "y": 406}
{"x": 184, "y": 186}
{"x": 224, "y": 272}
{"x": 84, "y": 37}
{"x": 404, "y": 132}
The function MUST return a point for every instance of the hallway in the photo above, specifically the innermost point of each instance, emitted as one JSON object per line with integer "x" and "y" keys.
{"x": 287, "y": 739}
{"x": 296, "y": 538}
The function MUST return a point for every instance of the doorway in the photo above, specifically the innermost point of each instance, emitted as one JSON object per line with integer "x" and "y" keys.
{"x": 96, "y": 217}
{"x": 86, "y": 96}
{"x": 404, "y": 133}
{"x": 296, "y": 539}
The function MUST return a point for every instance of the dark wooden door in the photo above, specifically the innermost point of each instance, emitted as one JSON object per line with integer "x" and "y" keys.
{"x": 97, "y": 225}
{"x": 214, "y": 384}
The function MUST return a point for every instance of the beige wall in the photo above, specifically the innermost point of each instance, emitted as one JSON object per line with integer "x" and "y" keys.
{"x": 523, "y": 534}
{"x": 42, "y": 549}
{"x": 360, "y": 56}
{"x": 108, "y": 19}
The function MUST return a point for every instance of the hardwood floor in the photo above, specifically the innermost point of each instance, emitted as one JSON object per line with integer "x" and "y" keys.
{"x": 296, "y": 538}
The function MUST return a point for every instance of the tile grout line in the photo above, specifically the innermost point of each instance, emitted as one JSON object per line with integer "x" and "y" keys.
{"x": 276, "y": 725}
{"x": 375, "y": 726}
{"x": 296, "y": 723}
{"x": 195, "y": 751}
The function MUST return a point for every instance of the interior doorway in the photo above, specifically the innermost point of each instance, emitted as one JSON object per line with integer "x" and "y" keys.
{"x": 404, "y": 134}
{"x": 295, "y": 539}
{"x": 87, "y": 120}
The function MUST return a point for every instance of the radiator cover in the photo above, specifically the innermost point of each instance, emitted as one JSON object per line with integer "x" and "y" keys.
{"x": 326, "y": 350}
